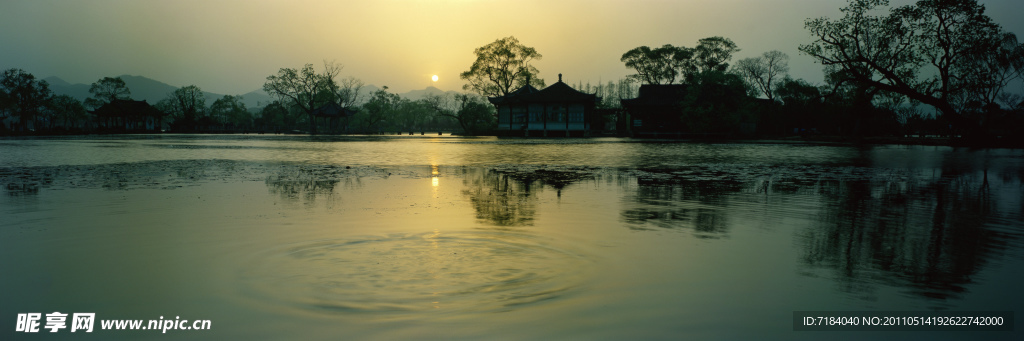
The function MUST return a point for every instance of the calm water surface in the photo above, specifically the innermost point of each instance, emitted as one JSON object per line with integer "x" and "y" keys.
{"x": 273, "y": 237}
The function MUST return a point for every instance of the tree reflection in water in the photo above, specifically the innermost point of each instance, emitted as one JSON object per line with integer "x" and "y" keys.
{"x": 309, "y": 183}
{"x": 498, "y": 199}
{"x": 295, "y": 187}
{"x": 670, "y": 202}
{"x": 930, "y": 236}
{"x": 306, "y": 190}
{"x": 507, "y": 196}
{"x": 928, "y": 232}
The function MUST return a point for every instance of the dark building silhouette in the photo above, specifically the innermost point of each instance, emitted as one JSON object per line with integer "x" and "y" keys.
{"x": 681, "y": 110}
{"x": 655, "y": 110}
{"x": 129, "y": 115}
{"x": 558, "y": 110}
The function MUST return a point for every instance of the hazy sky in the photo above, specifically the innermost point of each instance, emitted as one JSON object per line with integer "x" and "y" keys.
{"x": 231, "y": 47}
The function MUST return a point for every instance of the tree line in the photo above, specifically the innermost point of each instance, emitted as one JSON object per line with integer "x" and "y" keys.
{"x": 881, "y": 65}
{"x": 35, "y": 108}
{"x": 879, "y": 70}
{"x": 28, "y": 106}
{"x": 299, "y": 93}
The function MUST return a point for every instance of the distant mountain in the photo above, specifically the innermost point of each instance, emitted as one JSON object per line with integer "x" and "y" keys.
{"x": 56, "y": 81}
{"x": 60, "y": 87}
{"x": 421, "y": 94}
{"x": 367, "y": 91}
{"x": 256, "y": 99}
{"x": 148, "y": 89}
{"x": 154, "y": 91}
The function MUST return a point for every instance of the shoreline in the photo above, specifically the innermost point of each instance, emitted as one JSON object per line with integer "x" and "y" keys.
{"x": 957, "y": 142}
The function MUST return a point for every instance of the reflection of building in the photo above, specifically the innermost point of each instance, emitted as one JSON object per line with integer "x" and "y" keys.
{"x": 655, "y": 110}
{"x": 129, "y": 115}
{"x": 558, "y": 109}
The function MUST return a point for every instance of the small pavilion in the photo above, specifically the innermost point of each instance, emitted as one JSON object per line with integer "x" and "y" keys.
{"x": 331, "y": 113}
{"x": 557, "y": 110}
{"x": 129, "y": 115}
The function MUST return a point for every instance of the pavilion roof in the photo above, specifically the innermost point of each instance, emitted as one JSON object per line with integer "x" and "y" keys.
{"x": 657, "y": 95}
{"x": 333, "y": 110}
{"x": 127, "y": 107}
{"x": 556, "y": 93}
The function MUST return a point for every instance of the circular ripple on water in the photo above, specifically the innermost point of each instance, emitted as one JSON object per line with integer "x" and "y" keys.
{"x": 415, "y": 273}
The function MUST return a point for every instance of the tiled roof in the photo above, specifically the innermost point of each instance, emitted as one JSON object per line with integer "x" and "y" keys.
{"x": 657, "y": 95}
{"x": 126, "y": 107}
{"x": 556, "y": 93}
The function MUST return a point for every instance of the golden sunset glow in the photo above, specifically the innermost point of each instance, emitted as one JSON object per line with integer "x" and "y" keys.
{"x": 230, "y": 47}
{"x": 434, "y": 181}
{"x": 433, "y": 78}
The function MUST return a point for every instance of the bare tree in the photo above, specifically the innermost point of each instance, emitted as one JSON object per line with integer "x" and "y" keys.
{"x": 765, "y": 71}
{"x": 348, "y": 92}
{"x": 995, "y": 70}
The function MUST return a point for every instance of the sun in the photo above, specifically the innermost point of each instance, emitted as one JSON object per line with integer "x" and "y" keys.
{"x": 433, "y": 78}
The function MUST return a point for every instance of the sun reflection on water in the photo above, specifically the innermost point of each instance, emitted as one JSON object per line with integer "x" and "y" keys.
{"x": 434, "y": 177}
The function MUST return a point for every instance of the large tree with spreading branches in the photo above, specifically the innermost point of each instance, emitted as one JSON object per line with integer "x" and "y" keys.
{"x": 502, "y": 67}
{"x": 933, "y": 52}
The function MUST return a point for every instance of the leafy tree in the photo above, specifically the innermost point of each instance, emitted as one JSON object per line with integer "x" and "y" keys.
{"x": 412, "y": 115}
{"x": 6, "y": 107}
{"x": 501, "y": 67}
{"x": 187, "y": 105}
{"x": 764, "y": 72}
{"x": 23, "y": 95}
{"x": 666, "y": 64}
{"x": 106, "y": 90}
{"x": 660, "y": 65}
{"x": 797, "y": 92}
{"x": 473, "y": 113}
{"x": 477, "y": 115}
{"x": 928, "y": 52}
{"x": 802, "y": 105}
{"x": 230, "y": 110}
{"x": 715, "y": 102}
{"x": 714, "y": 53}
{"x": 66, "y": 109}
{"x": 274, "y": 117}
{"x": 305, "y": 89}
{"x": 381, "y": 106}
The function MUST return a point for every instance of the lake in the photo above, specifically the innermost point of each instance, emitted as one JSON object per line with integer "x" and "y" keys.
{"x": 441, "y": 237}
